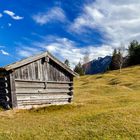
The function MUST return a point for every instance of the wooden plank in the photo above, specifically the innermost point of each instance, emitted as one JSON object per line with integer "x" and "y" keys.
{"x": 55, "y": 90}
{"x": 50, "y": 72}
{"x": 41, "y": 94}
{"x": 24, "y": 72}
{"x": 46, "y": 59}
{"x": 17, "y": 74}
{"x": 24, "y": 90}
{"x": 39, "y": 87}
{"x": 41, "y": 102}
{"x": 41, "y": 105}
{"x": 29, "y": 85}
{"x": 25, "y": 104}
{"x": 44, "y": 74}
{"x": 59, "y": 87}
{"x": 30, "y": 72}
{"x": 33, "y": 72}
{"x": 12, "y": 89}
{"x": 61, "y": 82}
{"x": 39, "y": 97}
{"x": 24, "y": 80}
{"x": 40, "y": 70}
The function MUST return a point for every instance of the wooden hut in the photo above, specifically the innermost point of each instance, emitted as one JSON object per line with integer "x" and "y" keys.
{"x": 38, "y": 80}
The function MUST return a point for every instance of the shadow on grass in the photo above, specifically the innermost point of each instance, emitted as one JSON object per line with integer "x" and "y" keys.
{"x": 55, "y": 108}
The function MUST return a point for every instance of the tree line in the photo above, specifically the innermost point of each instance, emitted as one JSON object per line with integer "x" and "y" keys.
{"x": 132, "y": 58}
{"x": 121, "y": 58}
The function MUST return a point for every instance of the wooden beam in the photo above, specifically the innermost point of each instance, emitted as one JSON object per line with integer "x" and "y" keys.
{"x": 24, "y": 90}
{"x": 60, "y": 82}
{"x": 46, "y": 59}
{"x": 36, "y": 97}
{"x": 13, "y": 90}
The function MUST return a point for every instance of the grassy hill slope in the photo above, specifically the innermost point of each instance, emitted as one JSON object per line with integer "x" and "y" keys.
{"x": 105, "y": 107}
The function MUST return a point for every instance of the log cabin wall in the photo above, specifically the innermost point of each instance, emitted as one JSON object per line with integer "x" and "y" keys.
{"x": 5, "y": 91}
{"x": 42, "y": 82}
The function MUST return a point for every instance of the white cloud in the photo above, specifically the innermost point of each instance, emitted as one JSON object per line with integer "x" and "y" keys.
{"x": 64, "y": 48}
{"x": 54, "y": 14}
{"x": 118, "y": 21}
{"x": 4, "y": 52}
{"x": 67, "y": 49}
{"x": 12, "y": 15}
{"x": 1, "y": 15}
{"x": 25, "y": 51}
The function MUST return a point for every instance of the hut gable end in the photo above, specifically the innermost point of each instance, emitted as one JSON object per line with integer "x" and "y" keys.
{"x": 44, "y": 56}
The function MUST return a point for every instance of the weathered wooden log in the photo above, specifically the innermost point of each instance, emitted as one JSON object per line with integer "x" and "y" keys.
{"x": 29, "y": 85}
{"x": 24, "y": 90}
{"x": 33, "y": 97}
{"x": 21, "y": 103}
{"x": 38, "y": 81}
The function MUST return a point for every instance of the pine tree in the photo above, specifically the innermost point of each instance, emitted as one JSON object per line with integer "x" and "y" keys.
{"x": 79, "y": 69}
{"x": 134, "y": 53}
{"x": 114, "y": 65}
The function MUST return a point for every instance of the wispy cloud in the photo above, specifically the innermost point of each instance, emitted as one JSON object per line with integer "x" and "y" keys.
{"x": 4, "y": 52}
{"x": 64, "y": 48}
{"x": 67, "y": 49}
{"x": 54, "y": 14}
{"x": 25, "y": 51}
{"x": 117, "y": 21}
{"x": 1, "y": 15}
{"x": 12, "y": 15}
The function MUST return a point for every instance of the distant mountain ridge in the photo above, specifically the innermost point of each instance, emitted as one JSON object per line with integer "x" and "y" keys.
{"x": 99, "y": 65}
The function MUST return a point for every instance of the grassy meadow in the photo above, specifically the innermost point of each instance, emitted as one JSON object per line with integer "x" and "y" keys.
{"x": 105, "y": 107}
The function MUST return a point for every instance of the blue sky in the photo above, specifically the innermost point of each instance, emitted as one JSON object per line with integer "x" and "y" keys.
{"x": 69, "y": 29}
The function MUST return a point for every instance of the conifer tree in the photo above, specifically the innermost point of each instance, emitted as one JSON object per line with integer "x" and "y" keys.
{"x": 134, "y": 53}
{"x": 79, "y": 69}
{"x": 114, "y": 62}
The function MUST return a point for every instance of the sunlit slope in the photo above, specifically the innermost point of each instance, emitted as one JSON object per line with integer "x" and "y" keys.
{"x": 110, "y": 86}
{"x": 105, "y": 107}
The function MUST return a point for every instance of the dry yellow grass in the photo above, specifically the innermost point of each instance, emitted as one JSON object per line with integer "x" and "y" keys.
{"x": 105, "y": 107}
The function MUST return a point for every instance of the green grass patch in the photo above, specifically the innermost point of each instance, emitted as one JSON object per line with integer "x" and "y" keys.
{"x": 105, "y": 107}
